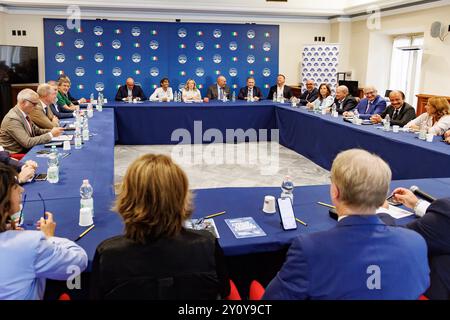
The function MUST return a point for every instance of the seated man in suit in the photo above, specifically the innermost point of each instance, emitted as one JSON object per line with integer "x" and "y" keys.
{"x": 250, "y": 92}
{"x": 344, "y": 100}
{"x": 71, "y": 98}
{"x": 311, "y": 93}
{"x": 434, "y": 225}
{"x": 18, "y": 133}
{"x": 360, "y": 258}
{"x": 372, "y": 104}
{"x": 218, "y": 91}
{"x": 130, "y": 90}
{"x": 25, "y": 170}
{"x": 42, "y": 115}
{"x": 57, "y": 110}
{"x": 280, "y": 90}
{"x": 399, "y": 111}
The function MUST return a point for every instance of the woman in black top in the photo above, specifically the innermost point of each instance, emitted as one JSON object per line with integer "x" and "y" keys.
{"x": 157, "y": 258}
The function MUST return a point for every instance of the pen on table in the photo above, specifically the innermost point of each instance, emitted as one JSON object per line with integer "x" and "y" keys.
{"x": 210, "y": 216}
{"x": 85, "y": 232}
{"x": 326, "y": 205}
{"x": 43, "y": 203}
{"x": 23, "y": 207}
{"x": 302, "y": 222}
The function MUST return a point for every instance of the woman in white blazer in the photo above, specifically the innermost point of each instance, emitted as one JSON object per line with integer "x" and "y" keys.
{"x": 324, "y": 101}
{"x": 436, "y": 119}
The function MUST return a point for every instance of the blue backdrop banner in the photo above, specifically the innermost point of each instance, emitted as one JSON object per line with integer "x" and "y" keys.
{"x": 101, "y": 55}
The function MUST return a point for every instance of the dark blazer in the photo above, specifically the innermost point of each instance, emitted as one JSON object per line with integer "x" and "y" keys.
{"x": 6, "y": 159}
{"x": 137, "y": 91}
{"x": 244, "y": 91}
{"x": 434, "y": 226}
{"x": 213, "y": 94}
{"x": 406, "y": 114}
{"x": 348, "y": 104}
{"x": 376, "y": 107}
{"x": 287, "y": 92}
{"x": 334, "y": 264}
{"x": 60, "y": 112}
{"x": 188, "y": 266}
{"x": 307, "y": 96}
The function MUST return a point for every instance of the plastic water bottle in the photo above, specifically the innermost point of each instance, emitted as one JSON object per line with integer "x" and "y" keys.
{"x": 387, "y": 123}
{"x": 233, "y": 97}
{"x": 55, "y": 152}
{"x": 334, "y": 112}
{"x": 90, "y": 110}
{"x": 52, "y": 170}
{"x": 78, "y": 144}
{"x": 86, "y": 192}
{"x": 287, "y": 187}
{"x": 355, "y": 116}
{"x": 85, "y": 130}
{"x": 91, "y": 100}
{"x": 100, "y": 102}
{"x": 274, "y": 97}
{"x": 423, "y": 131}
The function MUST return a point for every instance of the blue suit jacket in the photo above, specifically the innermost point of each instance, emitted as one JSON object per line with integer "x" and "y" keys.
{"x": 377, "y": 107}
{"x": 335, "y": 264}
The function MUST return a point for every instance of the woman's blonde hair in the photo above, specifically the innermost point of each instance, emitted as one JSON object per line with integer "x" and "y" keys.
{"x": 154, "y": 199}
{"x": 7, "y": 182}
{"x": 186, "y": 87}
{"x": 441, "y": 105}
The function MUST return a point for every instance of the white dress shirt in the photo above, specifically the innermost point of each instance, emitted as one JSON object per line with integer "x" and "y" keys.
{"x": 437, "y": 129}
{"x": 159, "y": 94}
{"x": 280, "y": 91}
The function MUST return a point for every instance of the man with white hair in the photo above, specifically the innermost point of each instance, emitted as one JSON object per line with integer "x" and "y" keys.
{"x": 361, "y": 258}
{"x": 18, "y": 133}
{"x": 344, "y": 101}
{"x": 372, "y": 104}
{"x": 42, "y": 115}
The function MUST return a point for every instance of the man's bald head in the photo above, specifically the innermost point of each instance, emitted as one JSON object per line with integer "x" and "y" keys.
{"x": 221, "y": 81}
{"x": 130, "y": 83}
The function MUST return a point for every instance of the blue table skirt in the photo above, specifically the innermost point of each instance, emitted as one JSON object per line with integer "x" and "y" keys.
{"x": 237, "y": 202}
{"x": 95, "y": 161}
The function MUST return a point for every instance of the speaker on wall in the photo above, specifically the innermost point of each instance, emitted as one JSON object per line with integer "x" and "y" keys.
{"x": 435, "y": 31}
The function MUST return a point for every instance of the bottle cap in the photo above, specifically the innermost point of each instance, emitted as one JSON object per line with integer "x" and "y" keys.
{"x": 85, "y": 181}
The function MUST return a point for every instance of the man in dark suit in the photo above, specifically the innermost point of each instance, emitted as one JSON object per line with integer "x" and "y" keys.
{"x": 130, "y": 90}
{"x": 56, "y": 109}
{"x": 280, "y": 90}
{"x": 218, "y": 91}
{"x": 344, "y": 101}
{"x": 400, "y": 112}
{"x": 311, "y": 93}
{"x": 360, "y": 258}
{"x": 250, "y": 91}
{"x": 434, "y": 225}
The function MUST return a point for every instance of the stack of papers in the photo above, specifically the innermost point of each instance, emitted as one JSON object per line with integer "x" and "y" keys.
{"x": 395, "y": 212}
{"x": 245, "y": 227}
{"x": 63, "y": 137}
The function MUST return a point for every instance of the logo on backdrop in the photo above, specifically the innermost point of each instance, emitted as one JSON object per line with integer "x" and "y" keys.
{"x": 250, "y": 59}
{"x": 182, "y": 59}
{"x": 217, "y": 33}
{"x": 79, "y": 71}
{"x": 181, "y": 86}
{"x": 136, "y": 31}
{"x": 79, "y": 43}
{"x": 116, "y": 71}
{"x": 199, "y": 72}
{"x": 98, "y": 57}
{"x": 99, "y": 86}
{"x": 154, "y": 72}
{"x": 266, "y": 46}
{"x": 233, "y": 46}
{"x": 250, "y": 34}
{"x": 154, "y": 44}
{"x": 60, "y": 57}
{"x": 217, "y": 58}
{"x": 233, "y": 72}
{"x": 266, "y": 72}
{"x": 199, "y": 45}
{"x": 116, "y": 44}
{"x": 136, "y": 58}
{"x": 98, "y": 31}
{"x": 182, "y": 32}
{"x": 59, "y": 30}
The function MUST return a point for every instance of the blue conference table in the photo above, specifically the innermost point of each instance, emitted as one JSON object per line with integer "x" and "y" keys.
{"x": 317, "y": 137}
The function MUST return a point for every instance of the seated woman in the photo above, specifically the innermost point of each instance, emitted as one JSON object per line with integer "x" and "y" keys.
{"x": 163, "y": 93}
{"x": 436, "y": 119}
{"x": 30, "y": 257}
{"x": 324, "y": 101}
{"x": 157, "y": 257}
{"x": 190, "y": 92}
{"x": 63, "y": 99}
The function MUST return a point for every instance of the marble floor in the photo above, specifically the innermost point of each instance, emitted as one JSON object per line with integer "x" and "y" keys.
{"x": 230, "y": 165}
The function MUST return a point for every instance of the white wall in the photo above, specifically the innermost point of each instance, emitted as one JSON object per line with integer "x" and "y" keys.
{"x": 292, "y": 38}
{"x": 379, "y": 68}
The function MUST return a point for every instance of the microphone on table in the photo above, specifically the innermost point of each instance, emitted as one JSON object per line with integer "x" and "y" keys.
{"x": 421, "y": 194}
